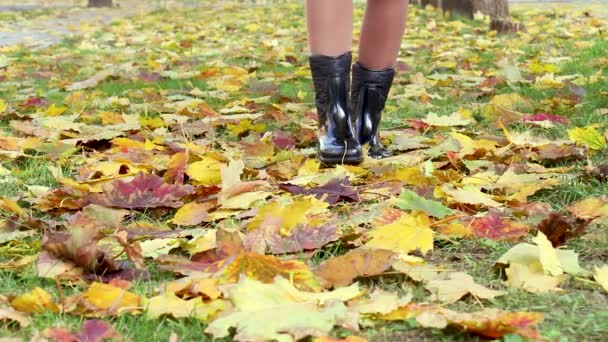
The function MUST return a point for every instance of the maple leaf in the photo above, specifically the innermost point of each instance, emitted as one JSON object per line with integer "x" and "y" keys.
{"x": 590, "y": 208}
{"x": 588, "y": 137}
{"x": 361, "y": 262}
{"x": 302, "y": 238}
{"x": 91, "y": 331}
{"x": 288, "y": 216}
{"x": 332, "y": 192}
{"x": 143, "y": 191}
{"x": 37, "y": 300}
{"x": 489, "y": 323}
{"x": 457, "y": 286}
{"x": 494, "y": 227}
{"x": 470, "y": 195}
{"x": 289, "y": 314}
{"x": 169, "y": 304}
{"x": 110, "y": 299}
{"x": 265, "y": 268}
{"x": 191, "y": 214}
{"x": 408, "y": 234}
{"x": 379, "y": 302}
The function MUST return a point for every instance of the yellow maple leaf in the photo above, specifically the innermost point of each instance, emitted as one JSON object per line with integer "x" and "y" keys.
{"x": 206, "y": 171}
{"x": 191, "y": 214}
{"x": 37, "y": 300}
{"x": 169, "y": 304}
{"x": 409, "y": 233}
{"x": 289, "y": 215}
{"x": 53, "y": 110}
{"x": 105, "y": 296}
{"x": 588, "y": 137}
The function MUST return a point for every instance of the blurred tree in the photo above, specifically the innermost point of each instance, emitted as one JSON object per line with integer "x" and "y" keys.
{"x": 100, "y": 3}
{"x": 498, "y": 10}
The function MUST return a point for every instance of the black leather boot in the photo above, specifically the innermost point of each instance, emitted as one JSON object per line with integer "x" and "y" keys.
{"x": 337, "y": 141}
{"x": 369, "y": 93}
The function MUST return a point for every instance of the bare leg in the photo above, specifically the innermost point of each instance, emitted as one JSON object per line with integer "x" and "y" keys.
{"x": 330, "y": 26}
{"x": 382, "y": 33}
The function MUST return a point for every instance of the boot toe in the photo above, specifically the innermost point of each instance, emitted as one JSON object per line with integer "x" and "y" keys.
{"x": 379, "y": 152}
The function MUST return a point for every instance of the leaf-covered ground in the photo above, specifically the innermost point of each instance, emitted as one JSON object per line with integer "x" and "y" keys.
{"x": 158, "y": 180}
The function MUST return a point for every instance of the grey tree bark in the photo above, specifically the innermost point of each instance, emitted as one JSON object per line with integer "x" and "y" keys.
{"x": 100, "y": 3}
{"x": 498, "y": 10}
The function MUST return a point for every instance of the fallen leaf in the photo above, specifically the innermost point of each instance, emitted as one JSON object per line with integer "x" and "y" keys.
{"x": 408, "y": 234}
{"x": 111, "y": 299}
{"x": 169, "y": 304}
{"x": 91, "y": 331}
{"x": 493, "y": 226}
{"x": 409, "y": 200}
{"x": 588, "y": 137}
{"x": 334, "y": 191}
{"x": 35, "y": 301}
{"x": 362, "y": 262}
{"x": 143, "y": 191}
{"x": 601, "y": 276}
{"x": 457, "y": 286}
{"x": 191, "y": 214}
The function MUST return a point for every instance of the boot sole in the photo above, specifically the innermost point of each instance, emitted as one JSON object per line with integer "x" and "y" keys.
{"x": 340, "y": 160}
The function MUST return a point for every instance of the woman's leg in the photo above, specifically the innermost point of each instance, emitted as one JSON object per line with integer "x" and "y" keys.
{"x": 330, "y": 26}
{"x": 373, "y": 75}
{"x": 382, "y": 33}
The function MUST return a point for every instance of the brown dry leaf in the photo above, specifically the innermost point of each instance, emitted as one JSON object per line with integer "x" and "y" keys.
{"x": 590, "y": 208}
{"x": 362, "y": 262}
{"x": 10, "y": 315}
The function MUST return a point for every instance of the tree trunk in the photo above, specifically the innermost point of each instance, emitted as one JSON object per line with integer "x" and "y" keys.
{"x": 468, "y": 8}
{"x": 100, "y": 3}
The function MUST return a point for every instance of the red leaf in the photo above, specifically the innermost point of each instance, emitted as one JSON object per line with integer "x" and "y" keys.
{"x": 91, "y": 331}
{"x": 35, "y": 102}
{"x": 494, "y": 227}
{"x": 546, "y": 117}
{"x": 143, "y": 191}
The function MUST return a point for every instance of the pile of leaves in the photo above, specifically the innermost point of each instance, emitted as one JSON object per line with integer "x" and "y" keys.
{"x": 183, "y": 144}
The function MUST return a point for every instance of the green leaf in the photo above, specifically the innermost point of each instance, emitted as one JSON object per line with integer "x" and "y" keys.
{"x": 409, "y": 200}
